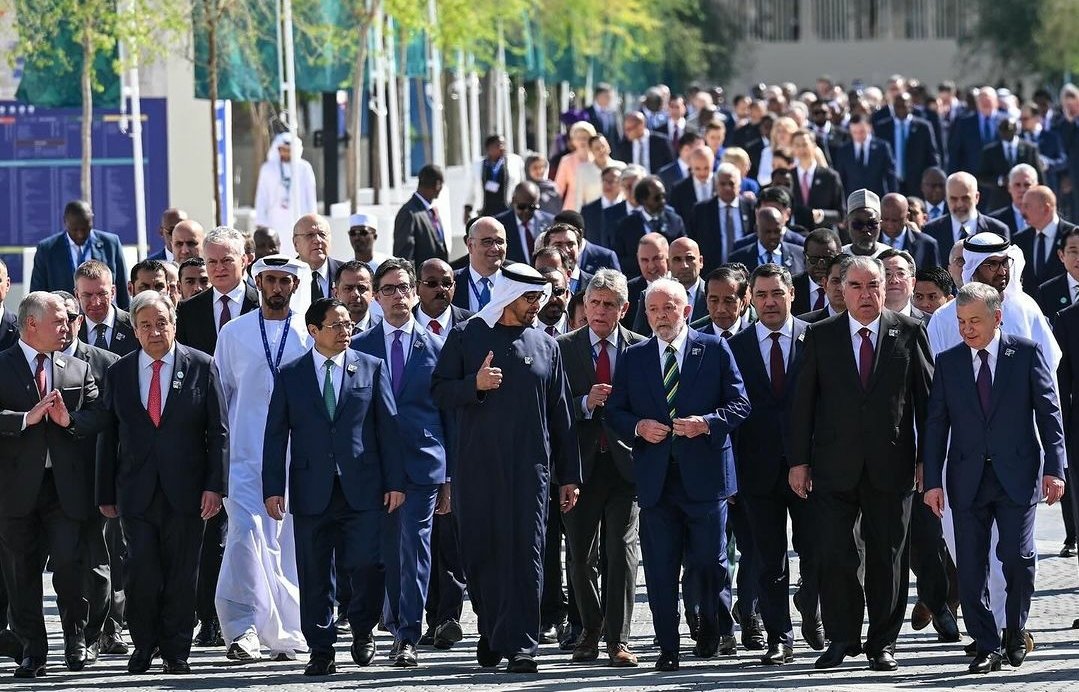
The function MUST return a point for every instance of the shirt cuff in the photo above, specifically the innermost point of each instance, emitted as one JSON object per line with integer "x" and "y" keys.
{"x": 23, "y": 422}
{"x": 584, "y": 408}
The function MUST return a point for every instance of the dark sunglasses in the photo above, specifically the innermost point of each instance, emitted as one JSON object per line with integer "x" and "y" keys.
{"x": 435, "y": 283}
{"x": 361, "y": 232}
{"x": 862, "y": 225}
{"x": 526, "y": 207}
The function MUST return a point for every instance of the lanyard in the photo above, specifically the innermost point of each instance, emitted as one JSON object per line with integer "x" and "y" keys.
{"x": 472, "y": 286}
{"x": 285, "y": 175}
{"x": 275, "y": 366}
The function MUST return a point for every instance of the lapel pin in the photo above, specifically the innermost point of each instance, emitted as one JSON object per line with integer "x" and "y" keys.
{"x": 1063, "y": 300}
{"x": 419, "y": 344}
{"x": 176, "y": 385}
{"x": 893, "y": 332}
{"x": 802, "y": 336}
{"x": 60, "y": 362}
{"x": 695, "y": 351}
{"x": 351, "y": 368}
{"x": 180, "y": 375}
{"x": 528, "y": 360}
{"x": 119, "y": 336}
{"x": 1009, "y": 351}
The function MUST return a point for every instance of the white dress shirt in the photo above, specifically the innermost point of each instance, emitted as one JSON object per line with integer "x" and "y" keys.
{"x": 640, "y": 151}
{"x": 739, "y": 325}
{"x": 679, "y": 343}
{"x": 691, "y": 294}
{"x": 814, "y": 289}
{"x": 164, "y": 376}
{"x": 476, "y": 287}
{"x": 1050, "y": 234}
{"x": 993, "y": 348}
{"x": 971, "y": 226}
{"x": 444, "y": 320}
{"x": 856, "y": 338}
{"x": 704, "y": 189}
{"x": 764, "y": 166}
{"x": 31, "y": 359}
{"x": 338, "y": 372}
{"x": 109, "y": 322}
{"x": 776, "y": 255}
{"x": 236, "y": 302}
{"x": 612, "y": 353}
{"x": 407, "y": 338}
{"x": 323, "y": 274}
{"x": 79, "y": 253}
{"x": 736, "y": 218}
{"x": 861, "y": 151}
{"x": 764, "y": 340}
{"x": 805, "y": 178}
{"x": 1073, "y": 289}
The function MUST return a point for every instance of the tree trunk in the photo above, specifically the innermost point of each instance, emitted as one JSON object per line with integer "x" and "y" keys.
{"x": 352, "y": 165}
{"x": 211, "y": 36}
{"x": 87, "y": 113}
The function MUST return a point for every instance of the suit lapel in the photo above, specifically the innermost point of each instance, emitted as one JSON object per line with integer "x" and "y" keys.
{"x": 691, "y": 363}
{"x": 846, "y": 346}
{"x": 316, "y": 378}
{"x": 885, "y": 345}
{"x": 1002, "y": 373}
{"x": 415, "y": 350}
{"x": 583, "y": 350}
{"x": 655, "y": 376}
{"x": 760, "y": 370}
{"x": 181, "y": 376}
{"x": 345, "y": 395}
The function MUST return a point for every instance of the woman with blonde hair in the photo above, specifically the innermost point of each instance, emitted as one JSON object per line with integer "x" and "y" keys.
{"x": 566, "y": 178}
{"x": 816, "y": 189}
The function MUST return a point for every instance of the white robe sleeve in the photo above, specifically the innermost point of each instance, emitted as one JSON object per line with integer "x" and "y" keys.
{"x": 268, "y": 178}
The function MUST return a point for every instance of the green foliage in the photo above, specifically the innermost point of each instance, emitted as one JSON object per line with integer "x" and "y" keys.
{"x": 1004, "y": 34}
{"x": 1058, "y": 39}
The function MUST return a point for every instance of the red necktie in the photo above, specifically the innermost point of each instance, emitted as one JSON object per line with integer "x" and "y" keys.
{"x": 603, "y": 376}
{"x": 226, "y": 314}
{"x": 39, "y": 376}
{"x": 529, "y": 239}
{"x": 865, "y": 357}
{"x": 435, "y": 326}
{"x": 805, "y": 188}
{"x": 776, "y": 366}
{"x": 153, "y": 401}
{"x": 552, "y": 330}
{"x": 819, "y": 305}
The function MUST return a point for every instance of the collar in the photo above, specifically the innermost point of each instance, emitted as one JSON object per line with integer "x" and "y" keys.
{"x": 426, "y": 205}
{"x": 109, "y": 321}
{"x": 594, "y": 339}
{"x": 477, "y": 277}
{"x": 973, "y": 218}
{"x": 168, "y": 359}
{"x": 867, "y": 142}
{"x": 907, "y": 119}
{"x": 733, "y": 204}
{"x": 811, "y": 171}
{"x": 764, "y": 333}
{"x": 684, "y": 166}
{"x": 1014, "y": 141}
{"x": 576, "y": 273}
{"x": 1072, "y": 286}
{"x": 71, "y": 243}
{"x": 443, "y": 320}
{"x": 365, "y": 323}
{"x": 761, "y": 250}
{"x": 734, "y": 328}
{"x": 236, "y": 295}
{"x": 559, "y": 326}
{"x": 855, "y": 326}
{"x": 993, "y": 347}
{"x": 320, "y": 360}
{"x": 31, "y": 353}
{"x": 1050, "y": 229}
{"x": 644, "y": 213}
{"x": 630, "y": 208}
{"x": 604, "y": 202}
{"x": 679, "y": 342}
{"x": 906, "y": 309}
{"x": 406, "y": 329}
{"x": 70, "y": 350}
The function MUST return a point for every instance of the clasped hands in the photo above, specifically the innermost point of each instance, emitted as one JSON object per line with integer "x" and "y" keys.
{"x": 51, "y": 406}
{"x": 655, "y": 432}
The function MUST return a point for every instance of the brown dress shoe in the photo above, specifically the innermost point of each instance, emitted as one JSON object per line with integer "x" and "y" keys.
{"x": 920, "y": 616}
{"x": 587, "y": 648}
{"x": 621, "y": 656}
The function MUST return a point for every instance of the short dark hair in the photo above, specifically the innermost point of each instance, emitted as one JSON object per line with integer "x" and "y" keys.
{"x": 391, "y": 264}
{"x": 640, "y": 190}
{"x": 148, "y": 265}
{"x": 687, "y": 139}
{"x": 824, "y": 236}
{"x": 352, "y": 265}
{"x": 775, "y": 194}
{"x": 571, "y": 217}
{"x": 492, "y": 139}
{"x": 575, "y": 301}
{"x": 940, "y": 278}
{"x": 191, "y": 262}
{"x": 1064, "y": 234}
{"x": 317, "y": 312}
{"x": 769, "y": 270}
{"x": 893, "y": 252}
{"x": 548, "y": 251}
{"x": 80, "y": 208}
{"x": 561, "y": 228}
{"x": 735, "y": 272}
{"x": 429, "y": 176}
{"x": 859, "y": 119}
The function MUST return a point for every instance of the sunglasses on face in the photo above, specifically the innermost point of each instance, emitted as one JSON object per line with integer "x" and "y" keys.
{"x": 435, "y": 283}
{"x": 862, "y": 225}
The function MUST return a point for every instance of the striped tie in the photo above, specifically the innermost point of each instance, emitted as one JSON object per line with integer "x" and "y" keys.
{"x": 670, "y": 378}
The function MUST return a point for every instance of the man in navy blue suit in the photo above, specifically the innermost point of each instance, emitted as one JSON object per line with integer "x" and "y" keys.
{"x": 652, "y": 216}
{"x": 59, "y": 255}
{"x": 9, "y": 323}
{"x": 962, "y": 219}
{"x": 989, "y": 393}
{"x": 971, "y": 133}
{"x": 895, "y": 232}
{"x": 866, "y": 161}
{"x": 337, "y": 406}
{"x": 683, "y": 464}
{"x": 411, "y": 354}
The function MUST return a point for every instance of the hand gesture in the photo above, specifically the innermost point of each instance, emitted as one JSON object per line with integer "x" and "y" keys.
{"x": 652, "y": 430}
{"x": 58, "y": 412}
{"x": 40, "y": 410}
{"x": 801, "y": 480}
{"x": 692, "y": 426}
{"x": 275, "y": 507}
{"x": 1052, "y": 489}
{"x": 597, "y": 396}
{"x": 488, "y": 378}
{"x": 211, "y": 504}
{"x": 392, "y": 500}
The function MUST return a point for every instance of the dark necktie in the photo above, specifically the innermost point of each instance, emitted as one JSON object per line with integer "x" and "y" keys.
{"x": 603, "y": 376}
{"x": 329, "y": 397}
{"x": 1039, "y": 253}
{"x": 39, "y": 376}
{"x": 819, "y": 304}
{"x": 226, "y": 313}
{"x": 99, "y": 340}
{"x": 865, "y": 357}
{"x": 397, "y": 361}
{"x": 528, "y": 239}
{"x": 984, "y": 382}
{"x": 656, "y": 225}
{"x": 552, "y": 330}
{"x": 728, "y": 221}
{"x": 437, "y": 223}
{"x": 316, "y": 287}
{"x": 435, "y": 326}
{"x": 726, "y": 334}
{"x": 670, "y": 378}
{"x": 987, "y": 131}
{"x": 776, "y": 365}
{"x": 485, "y": 293}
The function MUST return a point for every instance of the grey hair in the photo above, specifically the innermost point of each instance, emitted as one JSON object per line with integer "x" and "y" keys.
{"x": 634, "y": 171}
{"x": 668, "y": 286}
{"x": 609, "y": 280}
{"x": 149, "y": 298}
{"x": 977, "y": 292}
{"x": 35, "y": 304}
{"x": 1022, "y": 168}
{"x": 860, "y": 262}
{"x": 728, "y": 168}
{"x": 227, "y": 236}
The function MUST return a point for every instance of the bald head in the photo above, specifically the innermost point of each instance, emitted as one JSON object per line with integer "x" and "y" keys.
{"x": 311, "y": 236}
{"x": 893, "y": 214}
{"x": 653, "y": 256}
{"x": 435, "y": 264}
{"x": 686, "y": 262}
{"x": 963, "y": 196}
{"x": 701, "y": 161}
{"x": 187, "y": 237}
{"x": 1039, "y": 206}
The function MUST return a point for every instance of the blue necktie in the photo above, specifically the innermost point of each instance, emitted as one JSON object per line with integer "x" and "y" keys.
{"x": 987, "y": 130}
{"x": 485, "y": 294}
{"x": 900, "y": 147}
{"x": 397, "y": 361}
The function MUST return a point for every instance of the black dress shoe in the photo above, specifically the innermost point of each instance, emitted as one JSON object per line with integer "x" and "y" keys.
{"x": 92, "y": 652}
{"x": 985, "y": 663}
{"x": 406, "y": 656}
{"x": 883, "y": 662}
{"x": 971, "y": 649}
{"x": 427, "y": 638}
{"x": 447, "y": 634}
{"x": 835, "y": 653}
{"x": 75, "y": 652}
{"x": 777, "y": 655}
{"x": 946, "y": 626}
{"x": 10, "y": 646}
{"x": 521, "y": 663}
{"x": 727, "y": 646}
{"x": 569, "y": 640}
{"x": 31, "y": 668}
{"x": 341, "y": 624}
{"x": 1068, "y": 550}
{"x": 1015, "y": 646}
{"x": 694, "y": 622}
{"x": 1075, "y": 624}
{"x": 668, "y": 661}
{"x": 140, "y": 661}
{"x": 175, "y": 666}
{"x": 707, "y": 645}
{"x": 363, "y": 650}
{"x": 485, "y": 656}
{"x": 812, "y": 627}
{"x": 320, "y": 665}
{"x": 753, "y": 633}
{"x": 112, "y": 644}
{"x": 209, "y": 634}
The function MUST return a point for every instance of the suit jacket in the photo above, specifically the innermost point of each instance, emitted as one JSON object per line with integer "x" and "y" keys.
{"x": 793, "y": 257}
{"x": 425, "y": 429}
{"x": 1054, "y": 296}
{"x": 608, "y": 129}
{"x": 54, "y": 271}
{"x": 23, "y": 452}
{"x": 920, "y": 151}
{"x": 825, "y": 193}
{"x": 814, "y": 316}
{"x": 612, "y": 216}
{"x": 362, "y": 440}
{"x": 706, "y": 461}
{"x": 802, "y": 298}
{"x": 659, "y": 151}
{"x": 579, "y": 364}
{"x": 921, "y": 246}
{"x": 1023, "y": 395}
{"x": 844, "y": 432}
{"x": 941, "y": 231}
{"x": 1006, "y": 215}
{"x": 760, "y": 443}
{"x": 1053, "y": 266}
{"x": 9, "y": 330}
{"x": 123, "y": 334}
{"x": 705, "y": 227}
{"x": 682, "y": 196}
{"x": 186, "y": 455}
{"x": 332, "y": 265}
{"x": 159, "y": 256}
{"x": 830, "y": 143}
{"x": 1066, "y": 331}
{"x": 515, "y": 252}
{"x": 195, "y": 325}
{"x": 635, "y": 288}
{"x": 632, "y": 228}
{"x": 592, "y": 213}
{"x": 994, "y": 167}
{"x": 415, "y": 237}
{"x": 965, "y": 143}
{"x": 878, "y": 175}
{"x": 700, "y": 310}
{"x": 594, "y": 257}
{"x": 457, "y": 314}
{"x": 99, "y": 359}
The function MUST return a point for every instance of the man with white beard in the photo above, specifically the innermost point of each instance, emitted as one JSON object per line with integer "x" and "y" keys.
{"x": 258, "y": 599}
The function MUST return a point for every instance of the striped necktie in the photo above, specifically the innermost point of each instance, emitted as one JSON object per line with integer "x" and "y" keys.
{"x": 670, "y": 378}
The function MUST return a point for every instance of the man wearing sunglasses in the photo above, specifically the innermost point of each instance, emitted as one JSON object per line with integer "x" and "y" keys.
{"x": 436, "y": 289}
{"x": 362, "y": 234}
{"x": 524, "y": 222}
{"x": 863, "y": 221}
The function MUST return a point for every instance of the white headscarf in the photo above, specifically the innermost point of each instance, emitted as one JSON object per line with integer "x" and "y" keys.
{"x": 516, "y": 280}
{"x": 301, "y": 299}
{"x": 281, "y": 140}
{"x": 982, "y": 246}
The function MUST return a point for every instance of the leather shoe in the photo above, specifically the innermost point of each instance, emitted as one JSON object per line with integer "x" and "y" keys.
{"x": 1068, "y": 550}
{"x": 1075, "y": 624}
{"x": 209, "y": 634}
{"x": 971, "y": 649}
{"x": 587, "y": 647}
{"x": 363, "y": 650}
{"x": 320, "y": 665}
{"x": 920, "y": 616}
{"x": 10, "y": 646}
{"x": 447, "y": 634}
{"x": 668, "y": 661}
{"x": 112, "y": 644}
{"x": 777, "y": 655}
{"x": 552, "y": 634}
{"x": 485, "y": 656}
{"x": 621, "y": 657}
{"x": 31, "y": 668}
{"x": 92, "y": 652}
{"x": 812, "y": 627}
{"x": 75, "y": 652}
{"x": 140, "y": 661}
{"x": 753, "y": 633}
{"x": 727, "y": 646}
{"x": 570, "y": 638}
{"x": 521, "y": 663}
{"x": 883, "y": 662}
{"x": 1015, "y": 646}
{"x": 694, "y": 622}
{"x": 427, "y": 638}
{"x": 707, "y": 645}
{"x": 946, "y": 626}
{"x": 835, "y": 653}
{"x": 985, "y": 662}
{"x": 342, "y": 625}
{"x": 175, "y": 666}
{"x": 406, "y": 656}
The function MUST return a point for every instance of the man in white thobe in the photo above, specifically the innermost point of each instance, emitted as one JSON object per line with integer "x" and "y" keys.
{"x": 273, "y": 193}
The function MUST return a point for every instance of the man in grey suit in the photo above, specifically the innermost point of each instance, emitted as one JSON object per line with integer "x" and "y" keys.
{"x": 608, "y": 494}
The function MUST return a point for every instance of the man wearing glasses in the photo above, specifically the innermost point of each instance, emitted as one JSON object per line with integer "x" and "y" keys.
{"x": 311, "y": 235}
{"x": 486, "y": 244}
{"x": 863, "y": 222}
{"x": 524, "y": 221}
{"x": 436, "y": 290}
{"x": 105, "y": 325}
{"x": 362, "y": 234}
{"x": 809, "y": 289}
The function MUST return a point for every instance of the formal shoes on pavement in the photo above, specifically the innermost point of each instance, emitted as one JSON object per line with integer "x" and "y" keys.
{"x": 485, "y": 656}
{"x": 1015, "y": 646}
{"x": 10, "y": 646}
{"x": 406, "y": 655}
{"x": 92, "y": 653}
{"x": 521, "y": 663}
{"x": 753, "y": 632}
{"x": 777, "y": 655}
{"x": 694, "y": 623}
{"x": 668, "y": 661}
{"x": 587, "y": 647}
{"x": 570, "y": 638}
{"x": 971, "y": 649}
{"x": 427, "y": 638}
{"x": 31, "y": 668}
{"x": 1075, "y": 624}
{"x": 140, "y": 661}
{"x": 363, "y": 650}
{"x": 341, "y": 624}
{"x": 727, "y": 645}
{"x": 209, "y": 634}
{"x": 882, "y": 662}
{"x": 621, "y": 657}
{"x": 812, "y": 627}
{"x": 920, "y": 616}
{"x": 707, "y": 645}
{"x": 75, "y": 652}
{"x": 946, "y": 626}
{"x": 112, "y": 644}
{"x": 985, "y": 662}
{"x": 394, "y": 648}
{"x": 175, "y": 666}
{"x": 552, "y": 634}
{"x": 1068, "y": 550}
{"x": 319, "y": 666}
{"x": 447, "y": 634}
{"x": 835, "y": 653}
{"x": 245, "y": 648}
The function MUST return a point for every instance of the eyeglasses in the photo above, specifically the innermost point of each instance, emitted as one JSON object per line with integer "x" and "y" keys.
{"x": 390, "y": 289}
{"x": 995, "y": 265}
{"x": 435, "y": 283}
{"x": 150, "y": 328}
{"x": 526, "y": 207}
{"x": 99, "y": 296}
{"x": 339, "y": 327}
{"x": 558, "y": 291}
{"x": 862, "y": 225}
{"x": 533, "y": 297}
{"x": 818, "y": 260}
{"x": 490, "y": 242}
{"x": 321, "y": 235}
{"x": 900, "y": 275}
{"x": 360, "y": 232}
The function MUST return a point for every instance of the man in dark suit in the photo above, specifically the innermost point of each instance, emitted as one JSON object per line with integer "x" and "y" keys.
{"x": 653, "y": 262}
{"x": 934, "y": 181}
{"x": 641, "y": 146}
{"x": 683, "y": 465}
{"x": 685, "y": 264}
{"x": 858, "y": 404}
{"x": 1066, "y": 332}
{"x": 1000, "y": 157}
{"x": 986, "y": 432}
{"x": 912, "y": 141}
{"x": 652, "y": 216}
{"x": 58, "y": 256}
{"x": 1062, "y": 291}
{"x": 104, "y": 325}
{"x": 474, "y": 283}
{"x": 607, "y": 499}
{"x": 679, "y": 169}
{"x": 590, "y": 256}
{"x": 697, "y": 187}
{"x": 972, "y": 132}
{"x": 810, "y": 291}
{"x": 524, "y": 221}
{"x": 1040, "y": 242}
{"x": 613, "y": 214}
{"x": 418, "y": 233}
{"x": 311, "y": 236}
{"x": 896, "y": 233}
{"x": 353, "y": 286}
{"x": 411, "y": 354}
{"x": 1050, "y": 147}
{"x": 769, "y": 247}
{"x": 761, "y": 460}
{"x": 602, "y": 116}
{"x": 9, "y": 322}
{"x": 592, "y": 213}
{"x": 161, "y": 469}
{"x": 829, "y": 137}
{"x": 342, "y": 477}
{"x": 169, "y": 218}
{"x": 865, "y": 161}
{"x": 49, "y": 403}
{"x": 833, "y": 293}
{"x": 567, "y": 239}
{"x": 719, "y": 223}
{"x": 1021, "y": 178}
{"x": 436, "y": 290}
{"x": 962, "y": 219}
